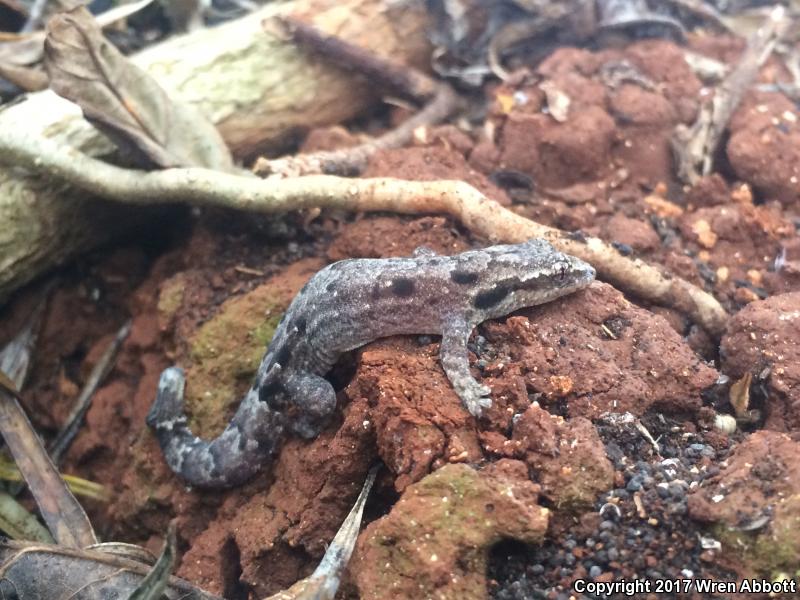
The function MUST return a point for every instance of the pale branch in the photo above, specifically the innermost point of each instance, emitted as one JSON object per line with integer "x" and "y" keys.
{"x": 353, "y": 160}
{"x": 463, "y": 202}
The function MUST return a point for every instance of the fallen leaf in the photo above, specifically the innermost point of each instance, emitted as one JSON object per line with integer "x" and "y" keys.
{"x": 739, "y": 395}
{"x": 125, "y": 102}
{"x": 23, "y": 51}
{"x": 27, "y": 49}
{"x": 28, "y": 79}
{"x": 558, "y": 101}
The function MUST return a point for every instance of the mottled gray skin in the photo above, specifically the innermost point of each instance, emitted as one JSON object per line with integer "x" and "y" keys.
{"x": 344, "y": 306}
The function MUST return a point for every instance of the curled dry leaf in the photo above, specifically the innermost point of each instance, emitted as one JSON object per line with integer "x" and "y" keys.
{"x": 739, "y": 395}
{"x": 45, "y": 571}
{"x": 558, "y": 101}
{"x": 156, "y": 581}
{"x": 16, "y": 356}
{"x": 124, "y": 101}
{"x": 27, "y": 49}
{"x": 64, "y": 516}
{"x": 29, "y": 79}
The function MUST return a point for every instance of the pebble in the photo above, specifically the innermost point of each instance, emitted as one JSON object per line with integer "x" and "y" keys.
{"x": 625, "y": 545}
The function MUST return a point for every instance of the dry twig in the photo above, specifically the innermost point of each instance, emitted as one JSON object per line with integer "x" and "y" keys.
{"x": 463, "y": 202}
{"x": 69, "y": 430}
{"x": 694, "y": 147}
{"x": 323, "y": 583}
{"x": 439, "y": 100}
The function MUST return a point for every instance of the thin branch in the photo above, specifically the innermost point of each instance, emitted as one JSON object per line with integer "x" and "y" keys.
{"x": 694, "y": 147}
{"x": 64, "y": 438}
{"x": 351, "y": 161}
{"x": 397, "y": 78}
{"x": 404, "y": 81}
{"x": 463, "y": 202}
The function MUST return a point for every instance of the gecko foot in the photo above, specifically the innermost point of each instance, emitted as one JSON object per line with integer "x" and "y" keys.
{"x": 474, "y": 395}
{"x": 167, "y": 411}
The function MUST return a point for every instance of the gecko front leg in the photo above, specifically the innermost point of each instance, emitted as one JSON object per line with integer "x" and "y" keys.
{"x": 455, "y": 362}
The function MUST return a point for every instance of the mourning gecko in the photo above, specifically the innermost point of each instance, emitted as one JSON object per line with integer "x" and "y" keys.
{"x": 346, "y": 305}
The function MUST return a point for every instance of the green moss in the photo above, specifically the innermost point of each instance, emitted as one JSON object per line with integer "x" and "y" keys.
{"x": 225, "y": 353}
{"x": 773, "y": 550}
{"x": 171, "y": 296}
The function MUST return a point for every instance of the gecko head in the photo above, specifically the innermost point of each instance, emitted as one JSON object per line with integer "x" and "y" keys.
{"x": 566, "y": 273}
{"x": 529, "y": 274}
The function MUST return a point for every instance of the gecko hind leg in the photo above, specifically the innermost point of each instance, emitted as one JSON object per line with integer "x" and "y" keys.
{"x": 313, "y": 399}
{"x": 248, "y": 441}
{"x": 455, "y": 362}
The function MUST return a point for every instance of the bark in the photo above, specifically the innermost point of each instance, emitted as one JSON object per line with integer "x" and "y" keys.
{"x": 256, "y": 87}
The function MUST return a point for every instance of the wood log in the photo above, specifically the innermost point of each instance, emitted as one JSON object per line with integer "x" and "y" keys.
{"x": 256, "y": 87}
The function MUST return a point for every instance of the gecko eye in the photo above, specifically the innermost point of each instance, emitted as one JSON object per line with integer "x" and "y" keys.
{"x": 562, "y": 272}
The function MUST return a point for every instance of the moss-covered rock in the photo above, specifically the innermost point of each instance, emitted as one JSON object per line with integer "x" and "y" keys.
{"x": 435, "y": 541}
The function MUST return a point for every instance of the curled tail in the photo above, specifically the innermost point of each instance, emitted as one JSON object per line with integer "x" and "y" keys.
{"x": 249, "y": 440}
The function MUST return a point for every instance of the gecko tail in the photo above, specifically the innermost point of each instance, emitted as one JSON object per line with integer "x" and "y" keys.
{"x": 233, "y": 457}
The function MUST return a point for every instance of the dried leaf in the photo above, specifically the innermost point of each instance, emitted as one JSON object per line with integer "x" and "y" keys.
{"x": 123, "y": 100}
{"x": 558, "y": 101}
{"x": 27, "y": 49}
{"x": 739, "y": 395}
{"x": 8, "y": 385}
{"x": 17, "y": 523}
{"x": 22, "y": 52}
{"x": 64, "y": 516}
{"x": 153, "y": 585}
{"x": 77, "y": 485}
{"x": 45, "y": 571}
{"x": 28, "y": 79}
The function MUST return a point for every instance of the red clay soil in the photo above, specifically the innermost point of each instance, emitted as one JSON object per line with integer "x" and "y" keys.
{"x": 570, "y": 380}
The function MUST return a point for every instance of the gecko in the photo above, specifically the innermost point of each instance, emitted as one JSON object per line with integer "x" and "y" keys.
{"x": 344, "y": 306}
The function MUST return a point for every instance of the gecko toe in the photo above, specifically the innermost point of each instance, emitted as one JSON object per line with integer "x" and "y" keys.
{"x": 476, "y": 399}
{"x": 168, "y": 405}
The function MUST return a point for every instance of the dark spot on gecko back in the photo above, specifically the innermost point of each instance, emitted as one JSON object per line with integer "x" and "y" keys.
{"x": 300, "y": 324}
{"x": 283, "y": 355}
{"x": 402, "y": 287}
{"x": 272, "y": 393}
{"x": 488, "y": 298}
{"x": 464, "y": 277}
{"x": 242, "y": 439}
